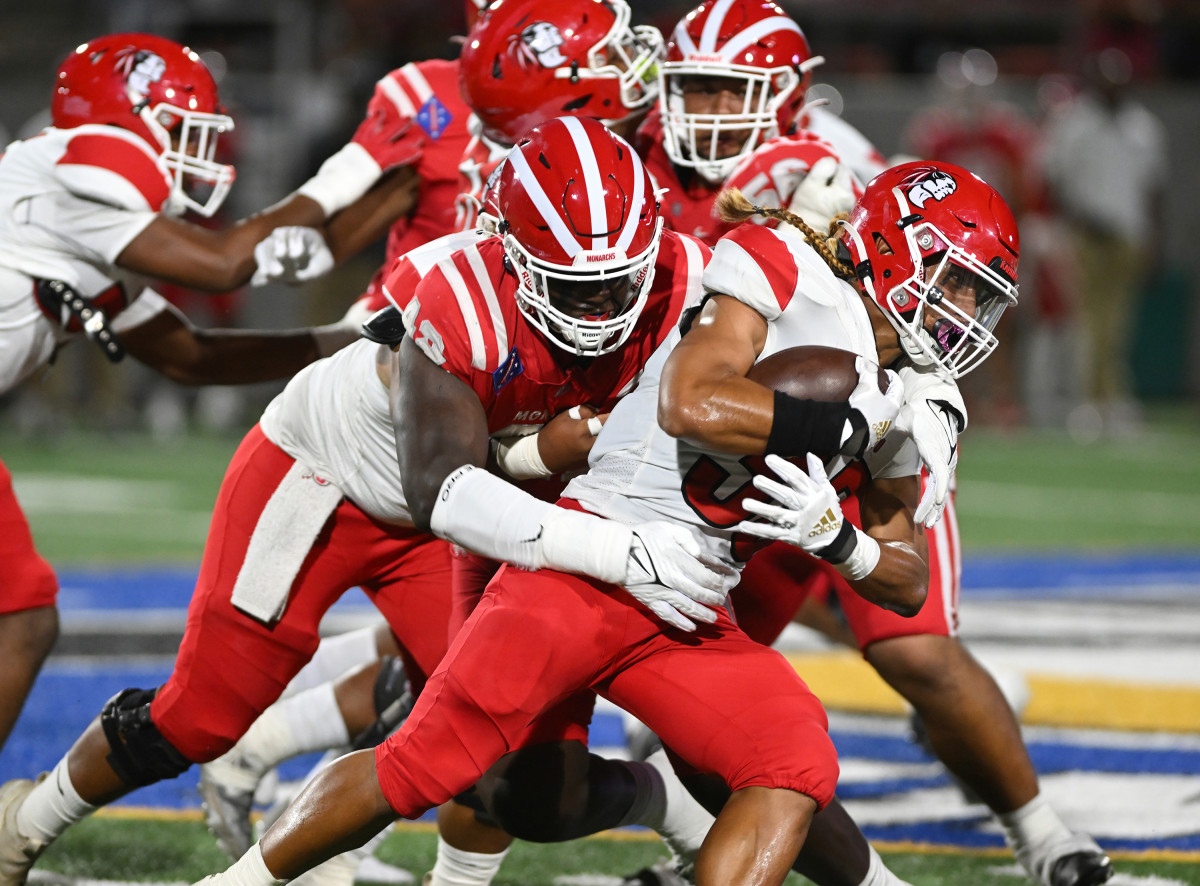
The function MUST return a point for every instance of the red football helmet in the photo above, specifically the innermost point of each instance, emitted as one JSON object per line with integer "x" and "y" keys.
{"x": 160, "y": 91}
{"x": 581, "y": 228}
{"x": 753, "y": 41}
{"x": 922, "y": 235}
{"x": 528, "y": 61}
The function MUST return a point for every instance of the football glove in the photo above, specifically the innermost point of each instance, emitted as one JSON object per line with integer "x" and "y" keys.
{"x": 669, "y": 573}
{"x": 291, "y": 254}
{"x": 823, "y": 194}
{"x": 936, "y": 415}
{"x": 872, "y": 412}
{"x": 805, "y": 512}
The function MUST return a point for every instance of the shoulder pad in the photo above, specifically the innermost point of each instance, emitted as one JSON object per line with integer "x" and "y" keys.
{"x": 115, "y": 168}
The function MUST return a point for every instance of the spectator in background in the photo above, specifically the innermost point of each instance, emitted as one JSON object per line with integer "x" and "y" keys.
{"x": 1106, "y": 165}
{"x": 975, "y": 128}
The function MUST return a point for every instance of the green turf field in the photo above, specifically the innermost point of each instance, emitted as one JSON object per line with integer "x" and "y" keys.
{"x": 100, "y": 498}
{"x": 147, "y": 849}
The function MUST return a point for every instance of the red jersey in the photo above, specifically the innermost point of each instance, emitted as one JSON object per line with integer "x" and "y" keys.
{"x": 425, "y": 94}
{"x": 463, "y": 314}
{"x": 767, "y": 177}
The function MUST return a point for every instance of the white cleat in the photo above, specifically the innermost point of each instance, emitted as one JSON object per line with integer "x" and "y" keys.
{"x": 1075, "y": 861}
{"x": 17, "y": 852}
{"x": 227, "y": 796}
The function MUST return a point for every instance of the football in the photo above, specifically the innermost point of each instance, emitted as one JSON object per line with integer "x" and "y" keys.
{"x": 811, "y": 372}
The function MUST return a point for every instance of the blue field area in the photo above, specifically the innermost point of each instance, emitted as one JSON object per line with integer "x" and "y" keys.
{"x": 998, "y": 576}
{"x": 1132, "y": 791}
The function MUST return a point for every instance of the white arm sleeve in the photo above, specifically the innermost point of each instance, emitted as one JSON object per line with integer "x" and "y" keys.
{"x": 342, "y": 179}
{"x": 488, "y": 515}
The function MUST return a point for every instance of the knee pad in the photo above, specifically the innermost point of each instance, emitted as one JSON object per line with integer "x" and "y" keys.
{"x": 393, "y": 703}
{"x": 471, "y": 800}
{"x": 139, "y": 754}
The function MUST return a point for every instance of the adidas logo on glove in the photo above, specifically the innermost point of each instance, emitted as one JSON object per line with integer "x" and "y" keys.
{"x": 828, "y": 523}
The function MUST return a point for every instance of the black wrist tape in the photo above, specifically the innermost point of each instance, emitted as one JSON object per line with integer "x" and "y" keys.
{"x": 842, "y": 546}
{"x": 802, "y": 426}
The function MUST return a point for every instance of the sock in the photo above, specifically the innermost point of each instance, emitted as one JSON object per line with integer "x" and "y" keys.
{"x": 665, "y": 805}
{"x": 457, "y": 867}
{"x": 334, "y": 656}
{"x": 52, "y": 807}
{"x": 1033, "y": 829}
{"x": 878, "y": 873}
{"x": 308, "y": 721}
{"x": 249, "y": 870}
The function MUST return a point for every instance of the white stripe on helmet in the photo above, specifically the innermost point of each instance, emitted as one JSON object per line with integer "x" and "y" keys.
{"x": 544, "y": 207}
{"x": 592, "y": 181}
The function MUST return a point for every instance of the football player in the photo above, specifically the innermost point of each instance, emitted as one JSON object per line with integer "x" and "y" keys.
{"x": 725, "y": 116}
{"x": 89, "y": 214}
{"x": 562, "y": 308}
{"x": 670, "y": 450}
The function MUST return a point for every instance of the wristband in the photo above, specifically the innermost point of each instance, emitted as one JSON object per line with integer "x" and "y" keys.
{"x": 803, "y": 426}
{"x": 862, "y": 558}
{"x": 519, "y": 458}
{"x": 342, "y": 179}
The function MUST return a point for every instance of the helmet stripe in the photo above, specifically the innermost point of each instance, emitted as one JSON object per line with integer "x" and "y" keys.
{"x": 712, "y": 27}
{"x": 635, "y": 205}
{"x": 751, "y": 35}
{"x": 592, "y": 182}
{"x": 544, "y": 207}
{"x": 684, "y": 40}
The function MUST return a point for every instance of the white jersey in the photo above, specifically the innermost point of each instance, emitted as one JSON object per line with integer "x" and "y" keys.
{"x": 71, "y": 200}
{"x": 334, "y": 415}
{"x": 638, "y": 472}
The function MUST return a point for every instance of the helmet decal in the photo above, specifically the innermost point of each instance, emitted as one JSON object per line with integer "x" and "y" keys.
{"x": 930, "y": 184}
{"x": 142, "y": 69}
{"x": 542, "y": 43}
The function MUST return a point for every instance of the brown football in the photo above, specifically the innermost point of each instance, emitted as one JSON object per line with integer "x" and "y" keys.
{"x": 811, "y": 372}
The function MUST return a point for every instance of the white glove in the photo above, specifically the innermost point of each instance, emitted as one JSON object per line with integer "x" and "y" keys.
{"x": 824, "y": 193}
{"x": 291, "y": 255}
{"x": 806, "y": 512}
{"x": 673, "y": 577}
{"x": 936, "y": 414}
{"x": 873, "y": 412}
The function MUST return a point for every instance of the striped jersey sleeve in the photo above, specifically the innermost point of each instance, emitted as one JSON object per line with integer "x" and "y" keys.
{"x": 113, "y": 167}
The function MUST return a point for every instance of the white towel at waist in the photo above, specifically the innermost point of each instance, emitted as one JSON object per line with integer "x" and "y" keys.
{"x": 286, "y": 530}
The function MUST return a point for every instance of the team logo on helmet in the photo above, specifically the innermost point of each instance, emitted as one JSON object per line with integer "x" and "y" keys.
{"x": 934, "y": 184}
{"x": 541, "y": 42}
{"x": 142, "y": 68}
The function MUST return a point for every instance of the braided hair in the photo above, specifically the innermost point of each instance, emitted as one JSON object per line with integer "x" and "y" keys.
{"x": 732, "y": 206}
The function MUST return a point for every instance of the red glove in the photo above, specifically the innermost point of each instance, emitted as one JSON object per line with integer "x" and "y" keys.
{"x": 390, "y": 139}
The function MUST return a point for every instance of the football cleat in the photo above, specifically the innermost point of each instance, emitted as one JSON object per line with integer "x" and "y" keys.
{"x": 227, "y": 796}
{"x": 1076, "y": 860}
{"x": 17, "y": 852}
{"x": 1090, "y": 867}
{"x": 660, "y": 874}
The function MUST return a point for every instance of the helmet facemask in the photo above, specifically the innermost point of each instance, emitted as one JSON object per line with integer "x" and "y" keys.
{"x": 926, "y": 307}
{"x": 542, "y": 284}
{"x": 189, "y": 140}
{"x": 629, "y": 55}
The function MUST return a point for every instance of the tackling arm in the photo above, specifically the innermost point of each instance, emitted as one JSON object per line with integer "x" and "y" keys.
{"x": 169, "y": 343}
{"x": 439, "y": 424}
{"x": 900, "y": 579}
